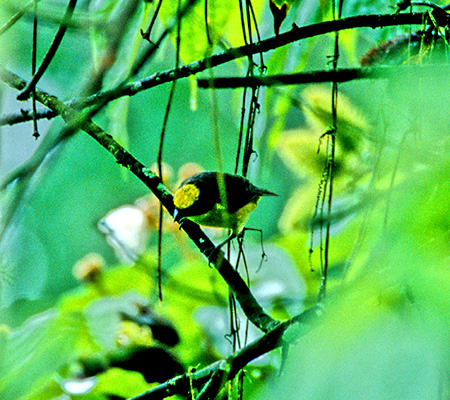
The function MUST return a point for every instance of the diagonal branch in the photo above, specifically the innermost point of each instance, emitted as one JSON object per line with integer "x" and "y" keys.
{"x": 76, "y": 120}
{"x": 226, "y": 369}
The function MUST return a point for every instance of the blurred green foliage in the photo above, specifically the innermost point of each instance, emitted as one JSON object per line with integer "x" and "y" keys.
{"x": 385, "y": 331}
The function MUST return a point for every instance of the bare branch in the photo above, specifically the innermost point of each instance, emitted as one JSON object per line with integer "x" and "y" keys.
{"x": 295, "y": 34}
{"x": 26, "y": 116}
{"x": 338, "y": 75}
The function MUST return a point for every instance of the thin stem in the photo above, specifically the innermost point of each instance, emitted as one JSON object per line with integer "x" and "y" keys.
{"x": 331, "y": 150}
{"x": 19, "y": 14}
{"x": 51, "y": 51}
{"x": 146, "y": 34}
{"x": 146, "y": 55}
{"x": 241, "y": 131}
{"x": 160, "y": 151}
{"x": 25, "y": 116}
{"x": 33, "y": 69}
{"x": 207, "y": 31}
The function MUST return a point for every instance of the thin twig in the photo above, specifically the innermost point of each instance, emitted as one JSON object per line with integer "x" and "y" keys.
{"x": 207, "y": 31}
{"x": 51, "y": 51}
{"x": 146, "y": 55}
{"x": 160, "y": 152}
{"x": 146, "y": 34}
{"x": 33, "y": 69}
{"x": 16, "y": 17}
{"x": 26, "y": 116}
{"x": 321, "y": 76}
{"x": 331, "y": 154}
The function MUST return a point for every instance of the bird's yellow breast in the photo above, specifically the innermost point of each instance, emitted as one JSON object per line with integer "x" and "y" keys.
{"x": 218, "y": 217}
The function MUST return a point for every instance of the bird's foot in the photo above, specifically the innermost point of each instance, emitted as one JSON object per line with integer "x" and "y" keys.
{"x": 215, "y": 253}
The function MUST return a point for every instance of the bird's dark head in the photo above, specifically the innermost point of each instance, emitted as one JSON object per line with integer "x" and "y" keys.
{"x": 194, "y": 197}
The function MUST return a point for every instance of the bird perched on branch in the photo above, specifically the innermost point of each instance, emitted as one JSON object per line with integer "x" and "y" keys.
{"x": 217, "y": 200}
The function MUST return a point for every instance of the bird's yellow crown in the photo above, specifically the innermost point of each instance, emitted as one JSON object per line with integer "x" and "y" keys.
{"x": 186, "y": 196}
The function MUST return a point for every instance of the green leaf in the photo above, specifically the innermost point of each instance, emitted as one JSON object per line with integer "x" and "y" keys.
{"x": 34, "y": 351}
{"x": 202, "y": 31}
{"x": 122, "y": 383}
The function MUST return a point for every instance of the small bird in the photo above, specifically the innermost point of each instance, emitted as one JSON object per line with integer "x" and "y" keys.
{"x": 218, "y": 200}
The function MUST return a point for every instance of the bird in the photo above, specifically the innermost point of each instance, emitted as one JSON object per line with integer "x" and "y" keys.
{"x": 217, "y": 199}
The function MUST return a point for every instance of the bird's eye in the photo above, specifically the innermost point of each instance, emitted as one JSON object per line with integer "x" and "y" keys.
{"x": 186, "y": 196}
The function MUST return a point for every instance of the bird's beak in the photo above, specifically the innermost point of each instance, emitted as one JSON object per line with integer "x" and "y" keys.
{"x": 176, "y": 215}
